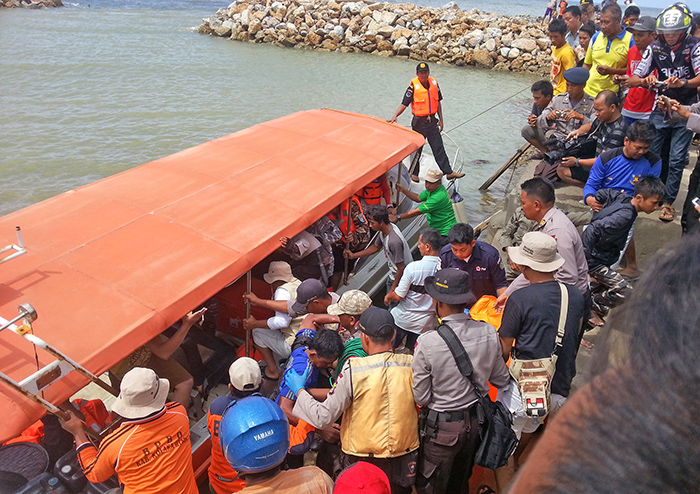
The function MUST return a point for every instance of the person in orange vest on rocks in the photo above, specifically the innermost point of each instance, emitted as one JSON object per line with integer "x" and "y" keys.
{"x": 150, "y": 450}
{"x": 423, "y": 94}
{"x": 351, "y": 220}
{"x": 245, "y": 378}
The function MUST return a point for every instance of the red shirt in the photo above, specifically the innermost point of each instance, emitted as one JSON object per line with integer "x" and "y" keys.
{"x": 640, "y": 101}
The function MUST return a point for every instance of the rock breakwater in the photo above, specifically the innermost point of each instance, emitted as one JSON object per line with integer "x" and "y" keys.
{"x": 30, "y": 4}
{"x": 447, "y": 35}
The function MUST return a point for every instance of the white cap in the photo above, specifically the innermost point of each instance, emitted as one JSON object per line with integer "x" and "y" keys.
{"x": 244, "y": 374}
{"x": 433, "y": 175}
{"x": 538, "y": 251}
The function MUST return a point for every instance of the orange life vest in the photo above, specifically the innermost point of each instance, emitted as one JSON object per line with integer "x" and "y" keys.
{"x": 425, "y": 101}
{"x": 372, "y": 192}
{"x": 346, "y": 222}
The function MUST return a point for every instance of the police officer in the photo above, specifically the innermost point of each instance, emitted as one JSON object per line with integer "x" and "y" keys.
{"x": 449, "y": 424}
{"x": 424, "y": 96}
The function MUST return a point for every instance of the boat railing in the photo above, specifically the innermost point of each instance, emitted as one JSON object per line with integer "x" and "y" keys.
{"x": 18, "y": 247}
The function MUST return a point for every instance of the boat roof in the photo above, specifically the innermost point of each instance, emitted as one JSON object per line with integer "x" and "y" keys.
{"x": 112, "y": 264}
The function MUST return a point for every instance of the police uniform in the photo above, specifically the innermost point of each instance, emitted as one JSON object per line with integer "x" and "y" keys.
{"x": 484, "y": 267}
{"x": 424, "y": 104}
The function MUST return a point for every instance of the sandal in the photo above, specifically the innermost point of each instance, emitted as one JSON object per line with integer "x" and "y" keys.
{"x": 667, "y": 213}
{"x": 415, "y": 178}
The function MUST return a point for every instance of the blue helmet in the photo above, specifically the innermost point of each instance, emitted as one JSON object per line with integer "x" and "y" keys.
{"x": 254, "y": 434}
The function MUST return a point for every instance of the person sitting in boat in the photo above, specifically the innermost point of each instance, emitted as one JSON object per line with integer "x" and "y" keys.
{"x": 480, "y": 260}
{"x": 327, "y": 234}
{"x": 274, "y": 336}
{"x": 245, "y": 378}
{"x": 321, "y": 352}
{"x": 434, "y": 202}
{"x": 375, "y": 191}
{"x": 396, "y": 249}
{"x": 312, "y": 297}
{"x": 156, "y": 355}
{"x": 150, "y": 450}
{"x": 350, "y": 218}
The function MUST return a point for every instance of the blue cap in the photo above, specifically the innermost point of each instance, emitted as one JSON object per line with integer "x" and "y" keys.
{"x": 254, "y": 434}
{"x": 577, "y": 75}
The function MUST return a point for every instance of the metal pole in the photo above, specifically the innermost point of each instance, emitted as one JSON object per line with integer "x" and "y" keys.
{"x": 249, "y": 287}
{"x": 20, "y": 241}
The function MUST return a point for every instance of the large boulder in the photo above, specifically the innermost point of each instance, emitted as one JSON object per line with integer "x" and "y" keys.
{"x": 490, "y": 45}
{"x": 513, "y": 53}
{"x": 524, "y": 44}
{"x": 474, "y": 38}
{"x": 492, "y": 32}
{"x": 482, "y": 58}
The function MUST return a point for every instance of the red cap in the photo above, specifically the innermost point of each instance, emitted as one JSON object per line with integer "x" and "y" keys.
{"x": 362, "y": 478}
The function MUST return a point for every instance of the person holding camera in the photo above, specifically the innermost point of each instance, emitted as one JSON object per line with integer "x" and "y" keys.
{"x": 676, "y": 57}
{"x": 565, "y": 114}
{"x": 608, "y": 129}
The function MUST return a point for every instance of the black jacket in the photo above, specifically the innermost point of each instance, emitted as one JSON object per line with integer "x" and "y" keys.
{"x": 606, "y": 236}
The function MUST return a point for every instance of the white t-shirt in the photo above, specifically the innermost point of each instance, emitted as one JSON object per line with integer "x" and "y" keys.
{"x": 415, "y": 312}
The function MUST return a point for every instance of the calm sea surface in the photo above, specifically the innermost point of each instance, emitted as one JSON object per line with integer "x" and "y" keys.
{"x": 101, "y": 86}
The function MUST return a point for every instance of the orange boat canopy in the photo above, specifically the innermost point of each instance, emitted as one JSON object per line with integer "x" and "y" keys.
{"x": 111, "y": 264}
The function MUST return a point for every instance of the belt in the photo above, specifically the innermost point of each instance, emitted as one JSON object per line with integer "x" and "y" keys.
{"x": 427, "y": 118}
{"x": 456, "y": 415}
{"x": 417, "y": 288}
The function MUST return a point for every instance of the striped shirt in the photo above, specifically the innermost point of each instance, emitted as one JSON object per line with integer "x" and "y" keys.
{"x": 151, "y": 455}
{"x": 609, "y": 135}
{"x": 415, "y": 311}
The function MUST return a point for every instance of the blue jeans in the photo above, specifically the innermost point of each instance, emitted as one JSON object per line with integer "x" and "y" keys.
{"x": 679, "y": 138}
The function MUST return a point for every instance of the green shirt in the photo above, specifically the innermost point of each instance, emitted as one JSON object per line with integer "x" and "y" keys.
{"x": 353, "y": 348}
{"x": 438, "y": 208}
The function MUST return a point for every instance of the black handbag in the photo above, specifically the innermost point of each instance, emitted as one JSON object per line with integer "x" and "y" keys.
{"x": 498, "y": 439}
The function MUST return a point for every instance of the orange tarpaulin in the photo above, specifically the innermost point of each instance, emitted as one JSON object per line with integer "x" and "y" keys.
{"x": 113, "y": 263}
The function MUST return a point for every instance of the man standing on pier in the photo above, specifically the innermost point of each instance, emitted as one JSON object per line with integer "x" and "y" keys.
{"x": 424, "y": 96}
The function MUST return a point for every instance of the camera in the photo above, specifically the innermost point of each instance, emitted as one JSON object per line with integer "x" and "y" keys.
{"x": 658, "y": 85}
{"x": 559, "y": 148}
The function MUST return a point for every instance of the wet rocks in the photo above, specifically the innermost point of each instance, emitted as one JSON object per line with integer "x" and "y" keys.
{"x": 447, "y": 35}
{"x": 30, "y": 4}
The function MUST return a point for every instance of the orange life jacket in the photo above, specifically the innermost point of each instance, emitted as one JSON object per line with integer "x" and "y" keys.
{"x": 346, "y": 222}
{"x": 425, "y": 101}
{"x": 372, "y": 192}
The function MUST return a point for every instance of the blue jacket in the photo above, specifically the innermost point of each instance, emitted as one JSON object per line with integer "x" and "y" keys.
{"x": 612, "y": 170}
{"x": 484, "y": 267}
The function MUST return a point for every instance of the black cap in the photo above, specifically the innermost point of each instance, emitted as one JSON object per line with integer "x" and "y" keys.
{"x": 422, "y": 66}
{"x": 644, "y": 24}
{"x": 374, "y": 319}
{"x": 308, "y": 291}
{"x": 577, "y": 75}
{"x": 450, "y": 286}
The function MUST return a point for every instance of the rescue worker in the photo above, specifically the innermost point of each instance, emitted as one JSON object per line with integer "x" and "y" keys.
{"x": 245, "y": 378}
{"x": 350, "y": 219}
{"x": 424, "y": 96}
{"x": 373, "y": 192}
{"x": 374, "y": 394}
{"x": 150, "y": 450}
{"x": 255, "y": 439}
{"x": 450, "y": 426}
{"x": 434, "y": 201}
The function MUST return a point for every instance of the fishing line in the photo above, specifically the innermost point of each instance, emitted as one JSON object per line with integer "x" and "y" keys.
{"x": 487, "y": 110}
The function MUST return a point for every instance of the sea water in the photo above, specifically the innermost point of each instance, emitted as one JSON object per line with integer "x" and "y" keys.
{"x": 101, "y": 86}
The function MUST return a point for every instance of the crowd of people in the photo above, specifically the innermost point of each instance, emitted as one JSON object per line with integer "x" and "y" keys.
{"x": 375, "y": 387}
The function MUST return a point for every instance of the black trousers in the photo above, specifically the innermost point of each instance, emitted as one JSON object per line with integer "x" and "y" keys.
{"x": 690, "y": 216}
{"x": 447, "y": 459}
{"x": 428, "y": 128}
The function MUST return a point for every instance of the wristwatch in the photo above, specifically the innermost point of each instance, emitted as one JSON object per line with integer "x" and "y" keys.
{"x": 398, "y": 217}
{"x": 685, "y": 83}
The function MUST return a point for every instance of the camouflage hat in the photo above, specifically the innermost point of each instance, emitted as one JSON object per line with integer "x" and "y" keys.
{"x": 353, "y": 302}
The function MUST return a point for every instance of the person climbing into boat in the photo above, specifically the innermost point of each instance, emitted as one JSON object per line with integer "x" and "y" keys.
{"x": 398, "y": 253}
{"x": 273, "y": 336}
{"x": 424, "y": 97}
{"x": 156, "y": 355}
{"x": 434, "y": 202}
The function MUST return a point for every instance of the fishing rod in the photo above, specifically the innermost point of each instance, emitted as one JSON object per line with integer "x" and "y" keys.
{"x": 487, "y": 110}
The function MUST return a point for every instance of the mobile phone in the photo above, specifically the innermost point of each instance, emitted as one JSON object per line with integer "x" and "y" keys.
{"x": 659, "y": 85}
{"x": 696, "y": 202}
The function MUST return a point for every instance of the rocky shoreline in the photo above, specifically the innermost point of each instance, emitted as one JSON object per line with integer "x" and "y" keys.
{"x": 445, "y": 35}
{"x": 30, "y": 4}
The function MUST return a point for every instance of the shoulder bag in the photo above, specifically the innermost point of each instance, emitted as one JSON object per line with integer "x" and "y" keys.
{"x": 534, "y": 377}
{"x": 498, "y": 440}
